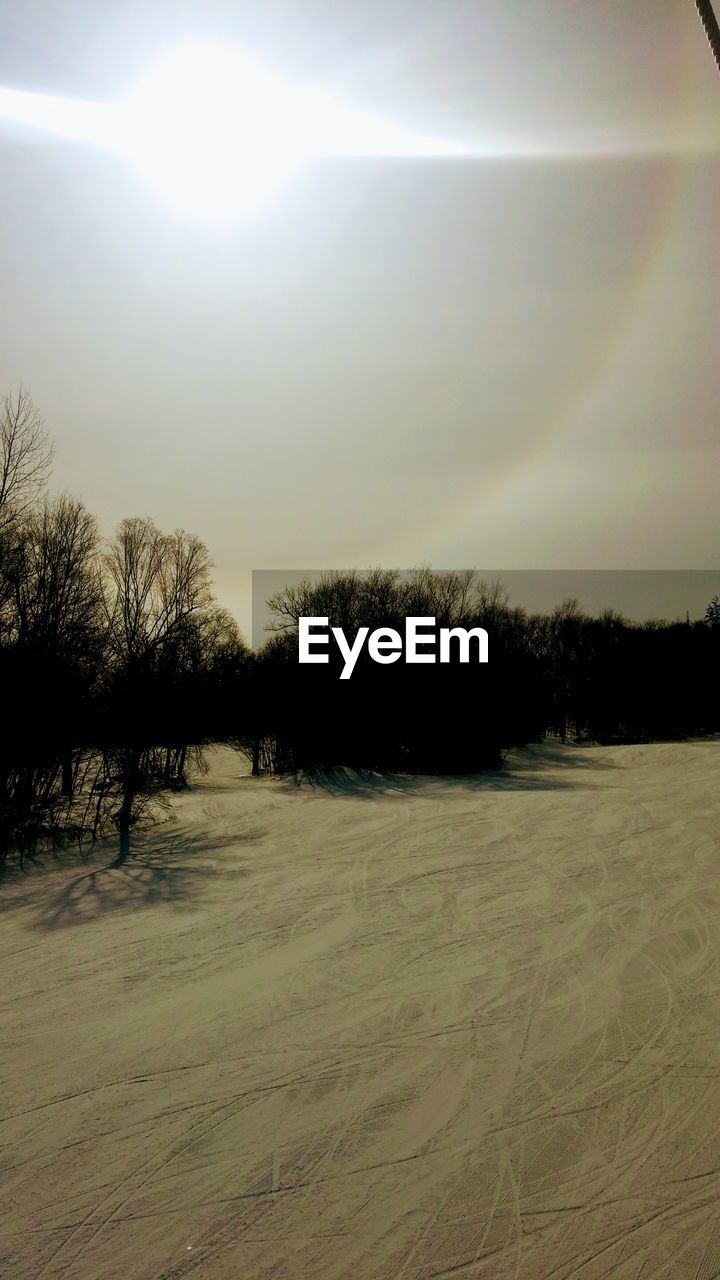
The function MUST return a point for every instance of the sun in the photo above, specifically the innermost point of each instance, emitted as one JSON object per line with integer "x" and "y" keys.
{"x": 216, "y": 133}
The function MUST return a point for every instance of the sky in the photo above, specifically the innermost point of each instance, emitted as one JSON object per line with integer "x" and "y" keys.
{"x": 507, "y": 360}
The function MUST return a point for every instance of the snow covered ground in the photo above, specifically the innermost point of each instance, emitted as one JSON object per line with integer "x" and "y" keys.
{"x": 376, "y": 1030}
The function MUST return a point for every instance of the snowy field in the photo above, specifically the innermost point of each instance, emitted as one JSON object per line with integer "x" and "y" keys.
{"x": 376, "y": 1030}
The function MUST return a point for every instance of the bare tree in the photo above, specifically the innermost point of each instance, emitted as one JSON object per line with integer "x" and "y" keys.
{"x": 50, "y": 626}
{"x": 155, "y": 587}
{"x": 57, "y": 591}
{"x": 155, "y": 582}
{"x": 25, "y": 455}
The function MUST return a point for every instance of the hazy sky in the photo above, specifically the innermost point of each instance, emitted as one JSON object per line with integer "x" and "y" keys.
{"x": 510, "y": 362}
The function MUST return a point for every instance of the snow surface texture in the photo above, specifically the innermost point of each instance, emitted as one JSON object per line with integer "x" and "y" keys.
{"x": 376, "y": 1029}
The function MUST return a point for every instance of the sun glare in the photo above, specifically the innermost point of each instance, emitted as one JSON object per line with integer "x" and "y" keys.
{"x": 216, "y": 133}
{"x": 213, "y": 132}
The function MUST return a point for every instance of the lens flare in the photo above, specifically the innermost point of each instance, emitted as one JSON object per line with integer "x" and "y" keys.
{"x": 216, "y": 133}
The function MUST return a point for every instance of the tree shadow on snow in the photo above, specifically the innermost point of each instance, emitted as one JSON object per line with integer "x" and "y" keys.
{"x": 533, "y": 768}
{"x": 148, "y": 871}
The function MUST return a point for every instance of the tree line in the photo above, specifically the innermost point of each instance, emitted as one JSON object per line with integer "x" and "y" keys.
{"x": 115, "y": 659}
{"x": 565, "y": 673}
{"x": 117, "y": 664}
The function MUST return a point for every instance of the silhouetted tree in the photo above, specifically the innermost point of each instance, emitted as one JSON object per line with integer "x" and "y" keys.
{"x": 154, "y": 583}
{"x": 50, "y": 649}
{"x": 712, "y": 613}
{"x": 25, "y": 455}
{"x": 163, "y": 630}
